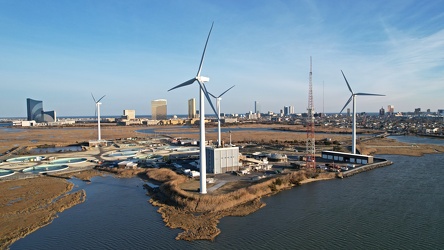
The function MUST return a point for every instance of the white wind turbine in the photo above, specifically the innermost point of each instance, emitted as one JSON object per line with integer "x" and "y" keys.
{"x": 202, "y": 94}
{"x": 353, "y": 97}
{"x": 218, "y": 98}
{"x": 98, "y": 103}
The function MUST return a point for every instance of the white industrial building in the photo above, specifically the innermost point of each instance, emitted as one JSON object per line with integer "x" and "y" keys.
{"x": 222, "y": 160}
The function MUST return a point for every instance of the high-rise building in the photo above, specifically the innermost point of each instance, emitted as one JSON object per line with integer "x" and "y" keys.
{"x": 159, "y": 109}
{"x": 286, "y": 110}
{"x": 257, "y": 107}
{"x": 129, "y": 114}
{"x": 35, "y": 112}
{"x": 192, "y": 108}
{"x": 382, "y": 111}
{"x": 391, "y": 109}
{"x": 35, "y": 109}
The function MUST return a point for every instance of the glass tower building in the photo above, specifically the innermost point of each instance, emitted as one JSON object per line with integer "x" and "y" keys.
{"x": 159, "y": 109}
{"x": 35, "y": 112}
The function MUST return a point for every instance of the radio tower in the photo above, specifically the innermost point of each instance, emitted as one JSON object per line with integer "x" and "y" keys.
{"x": 311, "y": 149}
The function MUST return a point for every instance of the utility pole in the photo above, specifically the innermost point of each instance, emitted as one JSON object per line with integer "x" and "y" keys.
{"x": 310, "y": 157}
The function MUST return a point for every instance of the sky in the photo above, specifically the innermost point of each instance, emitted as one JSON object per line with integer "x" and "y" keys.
{"x": 134, "y": 51}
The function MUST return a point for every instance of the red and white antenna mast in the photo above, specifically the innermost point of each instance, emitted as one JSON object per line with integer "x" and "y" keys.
{"x": 311, "y": 148}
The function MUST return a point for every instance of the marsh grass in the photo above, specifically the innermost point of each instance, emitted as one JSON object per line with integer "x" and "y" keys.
{"x": 199, "y": 203}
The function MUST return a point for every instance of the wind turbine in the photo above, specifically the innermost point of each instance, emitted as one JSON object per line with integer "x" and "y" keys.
{"x": 202, "y": 94}
{"x": 218, "y": 98}
{"x": 353, "y": 97}
{"x": 98, "y": 103}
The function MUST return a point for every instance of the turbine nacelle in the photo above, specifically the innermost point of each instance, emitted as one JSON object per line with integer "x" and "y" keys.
{"x": 353, "y": 95}
{"x": 202, "y": 79}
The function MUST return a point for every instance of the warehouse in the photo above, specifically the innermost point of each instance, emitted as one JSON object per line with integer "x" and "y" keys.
{"x": 347, "y": 157}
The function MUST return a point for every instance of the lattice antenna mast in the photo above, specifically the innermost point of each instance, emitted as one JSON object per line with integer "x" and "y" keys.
{"x": 311, "y": 149}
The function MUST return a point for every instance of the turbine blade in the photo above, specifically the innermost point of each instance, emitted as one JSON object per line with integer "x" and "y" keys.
{"x": 202, "y": 86}
{"x": 101, "y": 98}
{"x": 348, "y": 85}
{"x": 369, "y": 94}
{"x": 349, "y": 100}
{"x": 93, "y": 97}
{"x": 184, "y": 84}
{"x": 212, "y": 95}
{"x": 226, "y": 91}
{"x": 205, "y": 48}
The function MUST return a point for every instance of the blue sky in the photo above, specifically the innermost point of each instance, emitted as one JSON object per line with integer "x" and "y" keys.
{"x": 134, "y": 51}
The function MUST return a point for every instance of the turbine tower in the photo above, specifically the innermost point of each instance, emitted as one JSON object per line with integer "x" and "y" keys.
{"x": 310, "y": 158}
{"x": 202, "y": 94}
{"x": 353, "y": 97}
{"x": 98, "y": 103}
{"x": 218, "y": 99}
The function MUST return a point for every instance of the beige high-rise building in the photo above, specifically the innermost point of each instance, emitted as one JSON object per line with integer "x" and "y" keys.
{"x": 159, "y": 109}
{"x": 391, "y": 109}
{"x": 192, "y": 108}
{"x": 129, "y": 114}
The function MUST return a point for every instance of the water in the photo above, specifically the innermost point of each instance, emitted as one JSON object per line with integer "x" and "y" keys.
{"x": 45, "y": 169}
{"x": 55, "y": 149}
{"x": 395, "y": 207}
{"x": 68, "y": 161}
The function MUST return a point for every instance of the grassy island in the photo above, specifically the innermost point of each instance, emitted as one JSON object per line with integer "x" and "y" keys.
{"x": 29, "y": 204}
{"x": 198, "y": 215}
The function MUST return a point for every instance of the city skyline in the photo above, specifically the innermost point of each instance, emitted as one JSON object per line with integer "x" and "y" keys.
{"x": 60, "y": 51}
{"x": 161, "y": 106}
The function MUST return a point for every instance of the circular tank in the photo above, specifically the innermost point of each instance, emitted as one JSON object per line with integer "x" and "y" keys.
{"x": 6, "y": 172}
{"x": 26, "y": 159}
{"x": 68, "y": 161}
{"x": 45, "y": 168}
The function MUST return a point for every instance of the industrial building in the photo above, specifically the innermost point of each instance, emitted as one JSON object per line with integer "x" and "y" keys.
{"x": 159, "y": 109}
{"x": 222, "y": 160}
{"x": 35, "y": 112}
{"x": 347, "y": 157}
